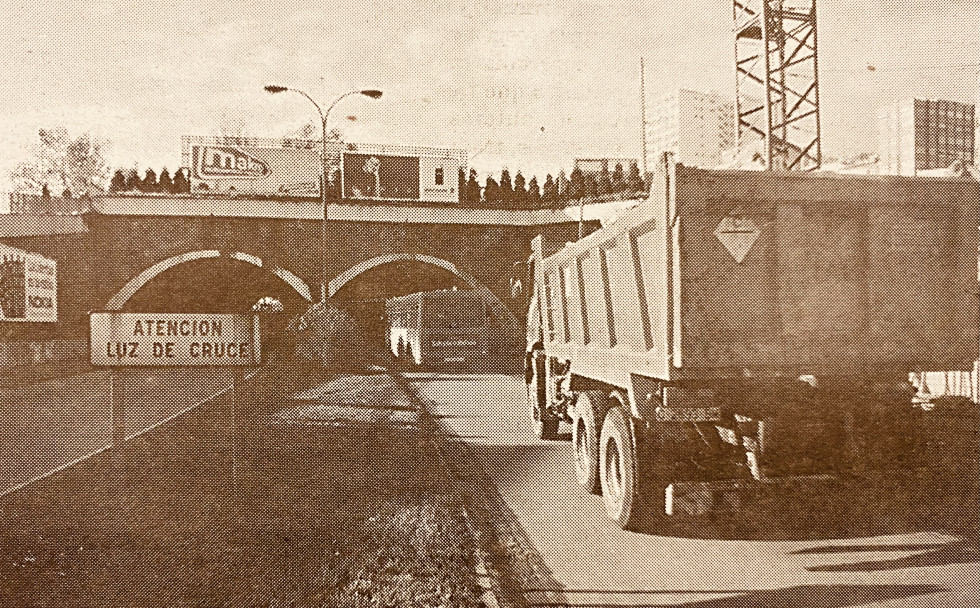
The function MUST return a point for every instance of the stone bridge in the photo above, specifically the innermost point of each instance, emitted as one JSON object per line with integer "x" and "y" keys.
{"x": 147, "y": 252}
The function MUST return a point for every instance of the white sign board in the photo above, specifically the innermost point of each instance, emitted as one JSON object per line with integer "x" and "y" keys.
{"x": 28, "y": 286}
{"x": 124, "y": 339}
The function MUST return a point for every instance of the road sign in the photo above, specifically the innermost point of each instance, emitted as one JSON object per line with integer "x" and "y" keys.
{"x": 123, "y": 339}
{"x": 737, "y": 233}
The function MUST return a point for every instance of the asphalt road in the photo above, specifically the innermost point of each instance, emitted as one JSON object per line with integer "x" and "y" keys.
{"x": 590, "y": 562}
{"x": 51, "y": 423}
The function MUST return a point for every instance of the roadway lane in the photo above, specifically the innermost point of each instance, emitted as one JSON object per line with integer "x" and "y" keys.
{"x": 592, "y": 563}
{"x": 54, "y": 422}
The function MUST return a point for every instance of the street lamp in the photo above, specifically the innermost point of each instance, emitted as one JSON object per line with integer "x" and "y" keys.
{"x": 373, "y": 94}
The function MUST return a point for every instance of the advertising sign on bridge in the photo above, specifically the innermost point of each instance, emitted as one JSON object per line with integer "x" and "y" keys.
{"x": 28, "y": 286}
{"x": 292, "y": 167}
{"x": 122, "y": 339}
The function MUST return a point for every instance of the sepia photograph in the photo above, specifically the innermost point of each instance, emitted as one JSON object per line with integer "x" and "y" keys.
{"x": 490, "y": 304}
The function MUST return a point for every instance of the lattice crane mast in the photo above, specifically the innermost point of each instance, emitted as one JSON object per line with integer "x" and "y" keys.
{"x": 777, "y": 95}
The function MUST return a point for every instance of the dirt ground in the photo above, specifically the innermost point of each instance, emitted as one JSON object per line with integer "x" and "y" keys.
{"x": 332, "y": 499}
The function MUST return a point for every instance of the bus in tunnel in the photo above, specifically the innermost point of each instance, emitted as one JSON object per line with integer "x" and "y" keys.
{"x": 433, "y": 327}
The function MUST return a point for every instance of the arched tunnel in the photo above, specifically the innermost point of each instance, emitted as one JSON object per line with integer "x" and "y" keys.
{"x": 202, "y": 282}
{"x": 222, "y": 285}
{"x": 363, "y": 295}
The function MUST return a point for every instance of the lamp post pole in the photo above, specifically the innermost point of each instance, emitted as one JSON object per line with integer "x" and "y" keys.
{"x": 324, "y": 116}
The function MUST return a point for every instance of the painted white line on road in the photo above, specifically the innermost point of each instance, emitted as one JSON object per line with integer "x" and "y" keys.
{"x": 178, "y": 414}
{"x": 60, "y": 468}
{"x": 187, "y": 409}
{"x": 53, "y": 471}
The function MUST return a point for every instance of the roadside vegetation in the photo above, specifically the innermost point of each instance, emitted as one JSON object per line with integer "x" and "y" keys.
{"x": 332, "y": 500}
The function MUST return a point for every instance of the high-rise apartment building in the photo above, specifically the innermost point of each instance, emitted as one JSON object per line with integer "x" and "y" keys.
{"x": 696, "y": 126}
{"x": 917, "y": 134}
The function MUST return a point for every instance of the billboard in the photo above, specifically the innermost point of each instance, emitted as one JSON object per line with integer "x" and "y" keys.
{"x": 400, "y": 173}
{"x": 235, "y": 165}
{"x": 292, "y": 167}
{"x": 28, "y": 286}
{"x": 380, "y": 176}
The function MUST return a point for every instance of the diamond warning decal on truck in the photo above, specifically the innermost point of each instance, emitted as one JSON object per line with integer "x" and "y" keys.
{"x": 737, "y": 233}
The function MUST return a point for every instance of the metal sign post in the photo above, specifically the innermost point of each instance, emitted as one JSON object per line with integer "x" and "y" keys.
{"x": 237, "y": 386}
{"x": 122, "y": 339}
{"x": 118, "y": 400}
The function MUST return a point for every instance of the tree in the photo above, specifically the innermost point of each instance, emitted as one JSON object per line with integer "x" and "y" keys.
{"x": 61, "y": 161}
{"x": 591, "y": 186}
{"x": 133, "y": 181}
{"x": 549, "y": 192}
{"x": 181, "y": 183}
{"x": 472, "y": 190}
{"x": 534, "y": 193}
{"x": 618, "y": 180}
{"x": 118, "y": 183}
{"x": 461, "y": 187}
{"x": 634, "y": 183}
{"x": 506, "y": 189}
{"x": 563, "y": 187}
{"x": 491, "y": 193}
{"x": 149, "y": 183}
{"x": 520, "y": 191}
{"x": 604, "y": 181}
{"x": 576, "y": 188}
{"x": 166, "y": 183}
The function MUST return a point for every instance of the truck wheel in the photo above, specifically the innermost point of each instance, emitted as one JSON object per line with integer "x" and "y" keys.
{"x": 589, "y": 407}
{"x": 545, "y": 425}
{"x": 618, "y": 470}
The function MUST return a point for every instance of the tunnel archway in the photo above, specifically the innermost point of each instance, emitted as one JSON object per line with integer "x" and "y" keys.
{"x": 497, "y": 308}
{"x": 117, "y": 301}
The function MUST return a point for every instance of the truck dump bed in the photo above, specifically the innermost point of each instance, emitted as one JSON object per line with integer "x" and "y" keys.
{"x": 735, "y": 273}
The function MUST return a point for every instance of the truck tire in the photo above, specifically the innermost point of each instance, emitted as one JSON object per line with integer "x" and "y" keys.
{"x": 545, "y": 425}
{"x": 589, "y": 409}
{"x": 618, "y": 469}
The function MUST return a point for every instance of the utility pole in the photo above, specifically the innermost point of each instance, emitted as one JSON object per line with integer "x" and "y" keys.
{"x": 643, "y": 115}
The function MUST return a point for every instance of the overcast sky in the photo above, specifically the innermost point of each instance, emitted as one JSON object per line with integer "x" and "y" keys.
{"x": 529, "y": 84}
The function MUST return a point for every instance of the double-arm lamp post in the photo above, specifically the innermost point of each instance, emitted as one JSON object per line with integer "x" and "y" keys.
{"x": 324, "y": 116}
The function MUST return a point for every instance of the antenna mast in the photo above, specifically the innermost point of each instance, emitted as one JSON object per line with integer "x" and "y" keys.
{"x": 777, "y": 96}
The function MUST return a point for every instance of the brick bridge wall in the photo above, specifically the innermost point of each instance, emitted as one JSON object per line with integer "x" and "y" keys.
{"x": 94, "y": 266}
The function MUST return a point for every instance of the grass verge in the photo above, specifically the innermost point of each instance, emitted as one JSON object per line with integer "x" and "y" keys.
{"x": 346, "y": 513}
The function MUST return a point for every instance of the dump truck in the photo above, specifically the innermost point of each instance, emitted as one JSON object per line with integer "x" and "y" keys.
{"x": 739, "y": 327}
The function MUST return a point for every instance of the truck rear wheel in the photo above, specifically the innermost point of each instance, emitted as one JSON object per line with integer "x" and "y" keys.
{"x": 589, "y": 408}
{"x": 545, "y": 425}
{"x": 618, "y": 469}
